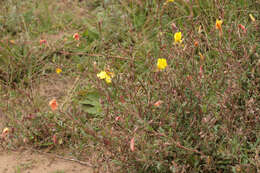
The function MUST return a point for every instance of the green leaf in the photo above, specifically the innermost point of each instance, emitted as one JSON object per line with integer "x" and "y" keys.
{"x": 90, "y": 35}
{"x": 90, "y": 103}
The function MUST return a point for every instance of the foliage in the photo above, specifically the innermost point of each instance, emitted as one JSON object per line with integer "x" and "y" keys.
{"x": 197, "y": 111}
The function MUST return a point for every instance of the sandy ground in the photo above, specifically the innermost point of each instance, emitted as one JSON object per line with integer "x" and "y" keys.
{"x": 32, "y": 162}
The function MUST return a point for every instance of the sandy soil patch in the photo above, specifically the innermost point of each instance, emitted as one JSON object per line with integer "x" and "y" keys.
{"x": 32, "y": 162}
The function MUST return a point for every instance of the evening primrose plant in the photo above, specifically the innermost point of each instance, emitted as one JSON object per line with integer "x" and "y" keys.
{"x": 161, "y": 93}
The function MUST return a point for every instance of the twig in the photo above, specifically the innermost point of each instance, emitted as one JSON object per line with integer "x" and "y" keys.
{"x": 177, "y": 144}
{"x": 64, "y": 158}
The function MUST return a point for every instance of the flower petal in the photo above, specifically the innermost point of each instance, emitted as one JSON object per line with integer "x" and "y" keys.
{"x": 132, "y": 144}
{"x": 53, "y": 104}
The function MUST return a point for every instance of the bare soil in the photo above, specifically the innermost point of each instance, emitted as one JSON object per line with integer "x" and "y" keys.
{"x": 32, "y": 162}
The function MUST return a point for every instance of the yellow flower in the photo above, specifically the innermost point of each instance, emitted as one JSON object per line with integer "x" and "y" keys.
{"x": 102, "y": 75}
{"x": 252, "y": 17}
{"x": 106, "y": 76}
{"x": 177, "y": 37}
{"x": 58, "y": 70}
{"x": 168, "y": 1}
{"x": 218, "y": 24}
{"x": 161, "y": 63}
{"x": 108, "y": 79}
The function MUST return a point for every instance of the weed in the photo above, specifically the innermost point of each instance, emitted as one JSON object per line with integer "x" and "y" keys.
{"x": 142, "y": 86}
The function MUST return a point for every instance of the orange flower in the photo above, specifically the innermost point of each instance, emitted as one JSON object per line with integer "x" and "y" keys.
{"x": 76, "y": 36}
{"x": 242, "y": 27}
{"x": 53, "y": 104}
{"x": 196, "y": 43}
{"x": 219, "y": 25}
{"x": 42, "y": 42}
{"x": 158, "y": 103}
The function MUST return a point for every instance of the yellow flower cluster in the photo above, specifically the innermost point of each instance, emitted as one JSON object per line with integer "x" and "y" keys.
{"x": 161, "y": 62}
{"x": 106, "y": 75}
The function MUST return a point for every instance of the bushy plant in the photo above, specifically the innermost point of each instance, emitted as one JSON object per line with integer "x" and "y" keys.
{"x": 150, "y": 86}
